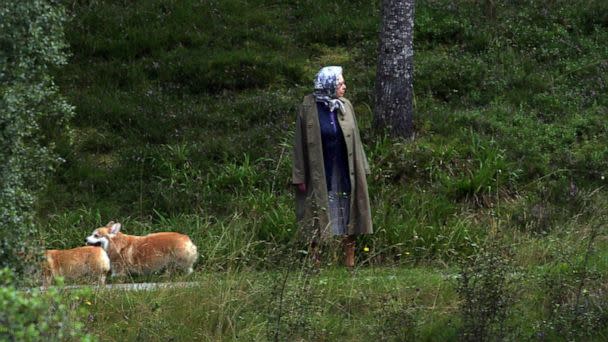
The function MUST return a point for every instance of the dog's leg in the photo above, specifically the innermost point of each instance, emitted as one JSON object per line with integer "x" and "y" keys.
{"x": 102, "y": 280}
{"x": 184, "y": 266}
{"x": 117, "y": 270}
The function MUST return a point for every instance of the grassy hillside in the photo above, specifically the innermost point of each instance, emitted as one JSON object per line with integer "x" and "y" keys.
{"x": 185, "y": 112}
{"x": 186, "y": 109}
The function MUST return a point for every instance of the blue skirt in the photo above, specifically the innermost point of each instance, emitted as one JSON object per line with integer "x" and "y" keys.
{"x": 339, "y": 205}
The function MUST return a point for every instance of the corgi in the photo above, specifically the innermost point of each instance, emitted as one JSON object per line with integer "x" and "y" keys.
{"x": 81, "y": 262}
{"x": 130, "y": 254}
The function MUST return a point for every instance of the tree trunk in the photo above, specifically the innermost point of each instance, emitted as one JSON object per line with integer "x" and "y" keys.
{"x": 395, "y": 70}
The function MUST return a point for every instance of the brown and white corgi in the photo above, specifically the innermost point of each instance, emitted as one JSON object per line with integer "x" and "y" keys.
{"x": 130, "y": 254}
{"x": 76, "y": 263}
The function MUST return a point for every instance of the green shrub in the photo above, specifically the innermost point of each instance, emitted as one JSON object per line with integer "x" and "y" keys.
{"x": 451, "y": 76}
{"x": 593, "y": 16}
{"x": 484, "y": 287}
{"x": 201, "y": 72}
{"x": 41, "y": 315}
{"x": 573, "y": 283}
{"x": 327, "y": 22}
{"x": 32, "y": 116}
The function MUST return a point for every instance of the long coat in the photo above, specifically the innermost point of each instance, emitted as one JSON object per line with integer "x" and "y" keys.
{"x": 308, "y": 168}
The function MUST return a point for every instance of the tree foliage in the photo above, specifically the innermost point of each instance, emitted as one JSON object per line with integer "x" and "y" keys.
{"x": 31, "y": 112}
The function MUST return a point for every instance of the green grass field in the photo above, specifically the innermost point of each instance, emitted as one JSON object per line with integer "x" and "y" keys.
{"x": 490, "y": 224}
{"x": 245, "y": 305}
{"x": 385, "y": 303}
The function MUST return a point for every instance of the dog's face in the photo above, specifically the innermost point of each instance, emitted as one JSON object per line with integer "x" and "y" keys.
{"x": 103, "y": 235}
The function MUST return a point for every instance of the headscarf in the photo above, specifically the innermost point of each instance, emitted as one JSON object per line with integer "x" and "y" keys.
{"x": 326, "y": 82}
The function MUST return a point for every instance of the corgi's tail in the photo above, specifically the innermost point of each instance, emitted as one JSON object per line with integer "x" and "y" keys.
{"x": 191, "y": 256}
{"x": 192, "y": 251}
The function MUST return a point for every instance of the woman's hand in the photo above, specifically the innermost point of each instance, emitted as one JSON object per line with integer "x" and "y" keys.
{"x": 301, "y": 187}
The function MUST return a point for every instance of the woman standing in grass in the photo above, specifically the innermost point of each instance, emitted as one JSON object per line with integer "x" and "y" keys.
{"x": 330, "y": 166}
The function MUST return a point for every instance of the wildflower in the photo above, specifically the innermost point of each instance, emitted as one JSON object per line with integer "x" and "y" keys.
{"x": 366, "y": 249}
{"x": 88, "y": 303}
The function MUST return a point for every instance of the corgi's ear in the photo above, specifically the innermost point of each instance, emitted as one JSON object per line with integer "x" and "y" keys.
{"x": 110, "y": 224}
{"x": 115, "y": 228}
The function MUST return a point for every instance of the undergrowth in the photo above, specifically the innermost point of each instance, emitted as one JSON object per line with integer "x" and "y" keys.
{"x": 184, "y": 121}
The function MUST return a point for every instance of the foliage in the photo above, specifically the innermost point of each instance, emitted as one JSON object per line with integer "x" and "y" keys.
{"x": 40, "y": 315}
{"x": 170, "y": 124}
{"x": 331, "y": 305}
{"x": 185, "y": 120}
{"x": 32, "y": 118}
{"x": 483, "y": 287}
{"x": 575, "y": 303}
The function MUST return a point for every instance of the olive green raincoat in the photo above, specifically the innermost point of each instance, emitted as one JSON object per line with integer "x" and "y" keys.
{"x": 308, "y": 168}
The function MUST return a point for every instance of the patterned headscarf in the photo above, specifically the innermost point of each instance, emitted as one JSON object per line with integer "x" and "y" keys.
{"x": 325, "y": 86}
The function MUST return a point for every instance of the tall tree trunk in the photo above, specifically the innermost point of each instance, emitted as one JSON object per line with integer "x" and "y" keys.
{"x": 395, "y": 70}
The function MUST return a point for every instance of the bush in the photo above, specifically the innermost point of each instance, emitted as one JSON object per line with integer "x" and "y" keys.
{"x": 485, "y": 293}
{"x": 32, "y": 115}
{"x": 573, "y": 286}
{"x": 40, "y": 315}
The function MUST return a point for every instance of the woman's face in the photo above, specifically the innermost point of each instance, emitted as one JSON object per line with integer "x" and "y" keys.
{"x": 340, "y": 87}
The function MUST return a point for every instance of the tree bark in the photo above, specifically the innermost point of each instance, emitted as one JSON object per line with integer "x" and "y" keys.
{"x": 395, "y": 70}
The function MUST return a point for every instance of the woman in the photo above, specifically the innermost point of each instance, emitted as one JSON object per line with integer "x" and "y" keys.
{"x": 329, "y": 166}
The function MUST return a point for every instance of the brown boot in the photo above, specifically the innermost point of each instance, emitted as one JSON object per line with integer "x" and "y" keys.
{"x": 349, "y": 251}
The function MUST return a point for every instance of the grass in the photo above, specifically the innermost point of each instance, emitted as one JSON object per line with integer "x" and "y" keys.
{"x": 242, "y": 305}
{"x": 241, "y": 297}
{"x": 184, "y": 122}
{"x": 387, "y": 303}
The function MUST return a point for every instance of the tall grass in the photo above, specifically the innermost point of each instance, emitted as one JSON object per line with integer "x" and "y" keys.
{"x": 179, "y": 121}
{"x": 545, "y": 287}
{"x": 562, "y": 295}
{"x": 184, "y": 122}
